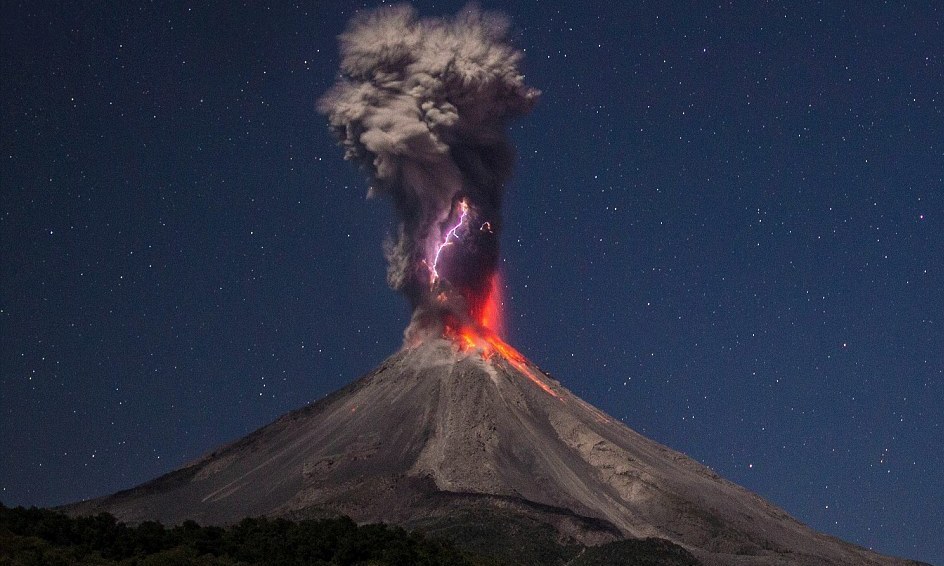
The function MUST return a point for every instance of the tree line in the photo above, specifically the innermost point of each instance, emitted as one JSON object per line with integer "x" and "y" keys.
{"x": 44, "y": 537}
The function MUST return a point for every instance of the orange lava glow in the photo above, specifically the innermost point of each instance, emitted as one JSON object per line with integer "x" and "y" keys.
{"x": 485, "y": 338}
{"x": 490, "y": 316}
{"x": 520, "y": 363}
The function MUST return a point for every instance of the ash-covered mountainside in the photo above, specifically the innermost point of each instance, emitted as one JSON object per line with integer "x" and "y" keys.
{"x": 437, "y": 433}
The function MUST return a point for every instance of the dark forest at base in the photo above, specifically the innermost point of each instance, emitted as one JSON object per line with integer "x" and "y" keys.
{"x": 49, "y": 538}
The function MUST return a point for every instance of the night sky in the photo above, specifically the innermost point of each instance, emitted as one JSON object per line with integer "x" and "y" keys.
{"x": 726, "y": 228}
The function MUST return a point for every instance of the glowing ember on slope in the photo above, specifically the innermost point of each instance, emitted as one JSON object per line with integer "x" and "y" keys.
{"x": 488, "y": 344}
{"x": 519, "y": 362}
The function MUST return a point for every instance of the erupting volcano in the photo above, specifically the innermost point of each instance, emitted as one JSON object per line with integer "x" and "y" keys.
{"x": 478, "y": 330}
{"x": 423, "y": 105}
{"x": 458, "y": 430}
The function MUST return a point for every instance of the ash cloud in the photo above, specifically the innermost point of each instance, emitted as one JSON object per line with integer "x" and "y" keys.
{"x": 423, "y": 105}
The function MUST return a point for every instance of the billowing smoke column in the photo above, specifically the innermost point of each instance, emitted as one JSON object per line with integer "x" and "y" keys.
{"x": 423, "y": 105}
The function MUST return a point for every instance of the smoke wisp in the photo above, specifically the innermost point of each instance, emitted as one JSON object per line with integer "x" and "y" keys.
{"x": 423, "y": 105}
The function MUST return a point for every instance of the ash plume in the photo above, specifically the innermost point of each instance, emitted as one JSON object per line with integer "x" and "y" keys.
{"x": 422, "y": 104}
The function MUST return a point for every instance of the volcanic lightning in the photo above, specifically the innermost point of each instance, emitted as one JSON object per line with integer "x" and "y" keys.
{"x": 452, "y": 233}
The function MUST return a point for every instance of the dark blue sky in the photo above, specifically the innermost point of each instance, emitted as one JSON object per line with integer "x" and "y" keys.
{"x": 725, "y": 229}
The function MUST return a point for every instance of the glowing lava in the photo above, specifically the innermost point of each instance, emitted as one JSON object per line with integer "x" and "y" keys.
{"x": 489, "y": 316}
{"x": 483, "y": 337}
{"x": 488, "y": 344}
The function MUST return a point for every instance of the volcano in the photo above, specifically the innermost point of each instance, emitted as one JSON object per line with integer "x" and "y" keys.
{"x": 452, "y": 430}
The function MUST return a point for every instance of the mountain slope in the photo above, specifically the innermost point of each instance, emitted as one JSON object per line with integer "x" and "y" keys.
{"x": 436, "y": 433}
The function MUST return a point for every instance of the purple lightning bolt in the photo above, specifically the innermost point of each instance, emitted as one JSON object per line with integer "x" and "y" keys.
{"x": 451, "y": 234}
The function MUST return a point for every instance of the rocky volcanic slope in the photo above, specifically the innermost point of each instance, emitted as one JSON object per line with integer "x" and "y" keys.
{"x": 434, "y": 434}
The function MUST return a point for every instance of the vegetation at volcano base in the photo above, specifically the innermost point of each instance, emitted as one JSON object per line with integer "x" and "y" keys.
{"x": 44, "y": 537}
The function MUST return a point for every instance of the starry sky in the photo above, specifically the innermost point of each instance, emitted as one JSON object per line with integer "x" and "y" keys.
{"x": 726, "y": 229}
